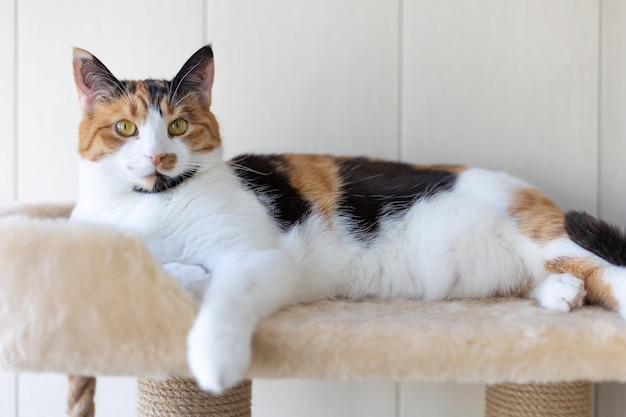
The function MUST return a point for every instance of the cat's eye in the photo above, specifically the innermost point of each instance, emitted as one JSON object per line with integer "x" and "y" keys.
{"x": 125, "y": 128}
{"x": 177, "y": 127}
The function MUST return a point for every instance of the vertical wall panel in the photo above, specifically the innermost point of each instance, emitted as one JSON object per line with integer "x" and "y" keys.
{"x": 7, "y": 163}
{"x": 613, "y": 116}
{"x": 509, "y": 85}
{"x": 7, "y": 100}
{"x": 116, "y": 397}
{"x": 304, "y": 398}
{"x": 7, "y": 395}
{"x": 306, "y": 76}
{"x": 611, "y": 398}
{"x": 43, "y": 395}
{"x": 132, "y": 37}
{"x": 449, "y": 400}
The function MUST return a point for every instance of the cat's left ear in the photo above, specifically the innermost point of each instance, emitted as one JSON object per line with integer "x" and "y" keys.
{"x": 93, "y": 80}
{"x": 196, "y": 76}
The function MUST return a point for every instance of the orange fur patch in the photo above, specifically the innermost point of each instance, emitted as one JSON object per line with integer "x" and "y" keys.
{"x": 168, "y": 162}
{"x": 537, "y": 216}
{"x": 519, "y": 291}
{"x": 598, "y": 291}
{"x": 141, "y": 97}
{"x": 203, "y": 133}
{"x": 317, "y": 178}
{"x": 97, "y": 135}
{"x": 454, "y": 169}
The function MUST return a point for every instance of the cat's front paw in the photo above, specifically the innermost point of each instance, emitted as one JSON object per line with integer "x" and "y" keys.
{"x": 218, "y": 354}
{"x": 560, "y": 292}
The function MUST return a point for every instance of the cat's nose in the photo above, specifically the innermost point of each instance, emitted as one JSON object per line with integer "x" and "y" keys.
{"x": 157, "y": 158}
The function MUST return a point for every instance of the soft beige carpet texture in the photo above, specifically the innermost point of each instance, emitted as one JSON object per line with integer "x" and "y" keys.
{"x": 84, "y": 299}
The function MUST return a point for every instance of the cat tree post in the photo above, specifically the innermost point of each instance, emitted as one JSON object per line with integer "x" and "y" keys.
{"x": 563, "y": 399}
{"x": 80, "y": 396}
{"x": 181, "y": 397}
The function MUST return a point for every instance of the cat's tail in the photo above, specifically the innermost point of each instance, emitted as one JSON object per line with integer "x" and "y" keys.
{"x": 597, "y": 236}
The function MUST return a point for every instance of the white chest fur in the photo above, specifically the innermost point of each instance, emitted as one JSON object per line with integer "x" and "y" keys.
{"x": 192, "y": 223}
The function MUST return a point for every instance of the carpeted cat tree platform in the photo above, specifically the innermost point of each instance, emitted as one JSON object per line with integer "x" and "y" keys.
{"x": 86, "y": 300}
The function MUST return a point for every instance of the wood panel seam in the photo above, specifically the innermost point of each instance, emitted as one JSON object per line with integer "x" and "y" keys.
{"x": 599, "y": 108}
{"x": 400, "y": 83}
{"x": 15, "y": 155}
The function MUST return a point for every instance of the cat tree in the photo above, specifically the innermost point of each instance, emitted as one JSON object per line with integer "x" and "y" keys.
{"x": 87, "y": 300}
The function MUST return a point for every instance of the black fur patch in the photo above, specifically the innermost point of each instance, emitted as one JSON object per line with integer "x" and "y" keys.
{"x": 373, "y": 190}
{"x": 164, "y": 183}
{"x": 268, "y": 177}
{"x": 597, "y": 236}
{"x": 370, "y": 190}
{"x": 130, "y": 86}
{"x": 190, "y": 78}
{"x": 157, "y": 90}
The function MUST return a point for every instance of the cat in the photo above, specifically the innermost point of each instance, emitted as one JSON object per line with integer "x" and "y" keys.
{"x": 253, "y": 234}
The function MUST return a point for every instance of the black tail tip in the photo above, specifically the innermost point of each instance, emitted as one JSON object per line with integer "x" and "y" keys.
{"x": 596, "y": 236}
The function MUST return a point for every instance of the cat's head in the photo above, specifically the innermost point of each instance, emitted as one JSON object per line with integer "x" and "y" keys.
{"x": 150, "y": 135}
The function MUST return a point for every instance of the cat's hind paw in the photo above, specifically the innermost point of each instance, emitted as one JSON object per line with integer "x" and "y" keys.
{"x": 218, "y": 355}
{"x": 560, "y": 292}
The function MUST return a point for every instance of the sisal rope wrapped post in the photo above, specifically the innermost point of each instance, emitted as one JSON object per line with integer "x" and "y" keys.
{"x": 566, "y": 399}
{"x": 80, "y": 396}
{"x": 178, "y": 397}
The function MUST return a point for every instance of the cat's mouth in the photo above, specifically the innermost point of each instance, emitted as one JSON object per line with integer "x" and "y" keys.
{"x": 157, "y": 182}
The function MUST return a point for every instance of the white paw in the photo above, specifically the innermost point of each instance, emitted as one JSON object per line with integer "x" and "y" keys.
{"x": 192, "y": 278}
{"x": 218, "y": 353}
{"x": 560, "y": 292}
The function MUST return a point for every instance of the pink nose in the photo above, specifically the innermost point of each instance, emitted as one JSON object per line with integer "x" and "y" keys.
{"x": 157, "y": 158}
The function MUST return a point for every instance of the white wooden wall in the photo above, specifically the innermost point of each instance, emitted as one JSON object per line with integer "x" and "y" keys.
{"x": 534, "y": 87}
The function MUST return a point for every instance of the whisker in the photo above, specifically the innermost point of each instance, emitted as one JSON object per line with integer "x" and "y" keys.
{"x": 190, "y": 94}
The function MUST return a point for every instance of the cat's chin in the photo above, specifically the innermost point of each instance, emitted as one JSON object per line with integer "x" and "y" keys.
{"x": 147, "y": 183}
{"x": 157, "y": 182}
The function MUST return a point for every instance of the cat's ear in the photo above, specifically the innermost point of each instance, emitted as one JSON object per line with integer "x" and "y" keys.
{"x": 93, "y": 80}
{"x": 196, "y": 76}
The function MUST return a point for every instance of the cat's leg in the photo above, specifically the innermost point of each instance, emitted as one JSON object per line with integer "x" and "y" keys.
{"x": 244, "y": 288}
{"x": 559, "y": 292}
{"x": 539, "y": 219}
{"x": 192, "y": 278}
{"x": 605, "y": 283}
{"x": 610, "y": 289}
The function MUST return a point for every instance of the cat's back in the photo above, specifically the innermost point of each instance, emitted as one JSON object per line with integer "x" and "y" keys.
{"x": 364, "y": 191}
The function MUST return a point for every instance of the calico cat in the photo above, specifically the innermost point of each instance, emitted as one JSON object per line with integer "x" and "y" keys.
{"x": 260, "y": 232}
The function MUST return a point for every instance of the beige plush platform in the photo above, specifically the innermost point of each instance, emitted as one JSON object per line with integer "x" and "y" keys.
{"x": 88, "y": 300}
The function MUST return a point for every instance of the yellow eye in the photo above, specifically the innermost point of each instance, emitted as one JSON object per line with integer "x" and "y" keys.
{"x": 125, "y": 128}
{"x": 177, "y": 127}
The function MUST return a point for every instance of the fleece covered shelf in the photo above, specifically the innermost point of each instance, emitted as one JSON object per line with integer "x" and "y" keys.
{"x": 85, "y": 299}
